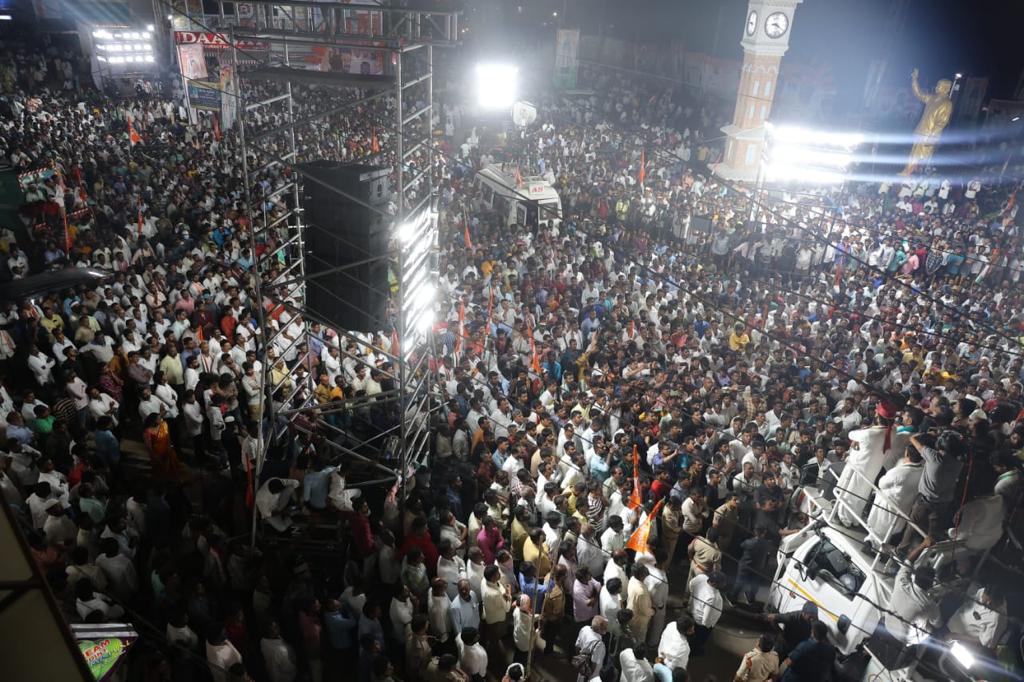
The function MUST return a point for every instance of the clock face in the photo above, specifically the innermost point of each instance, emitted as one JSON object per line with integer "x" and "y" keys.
{"x": 776, "y": 25}
{"x": 751, "y": 23}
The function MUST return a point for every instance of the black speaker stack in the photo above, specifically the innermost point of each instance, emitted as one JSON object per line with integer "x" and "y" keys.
{"x": 346, "y": 244}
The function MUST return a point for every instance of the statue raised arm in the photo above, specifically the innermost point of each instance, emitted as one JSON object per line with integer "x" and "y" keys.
{"x": 938, "y": 108}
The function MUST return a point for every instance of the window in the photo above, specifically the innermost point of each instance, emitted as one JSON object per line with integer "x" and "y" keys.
{"x": 756, "y": 89}
{"x": 750, "y": 115}
{"x": 768, "y": 88}
{"x": 764, "y": 111}
{"x": 751, "y": 153}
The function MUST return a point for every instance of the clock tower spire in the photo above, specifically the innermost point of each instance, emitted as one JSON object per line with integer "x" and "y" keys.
{"x": 765, "y": 39}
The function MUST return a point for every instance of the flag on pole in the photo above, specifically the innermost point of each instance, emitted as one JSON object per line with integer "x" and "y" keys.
{"x": 133, "y": 137}
{"x": 534, "y": 360}
{"x": 642, "y": 175}
{"x": 394, "y": 342}
{"x": 374, "y": 142}
{"x": 467, "y": 238}
{"x": 250, "y": 487}
{"x": 638, "y": 541}
{"x": 67, "y": 236}
{"x": 490, "y": 308}
{"x": 635, "y": 497}
{"x": 519, "y": 178}
{"x": 462, "y": 326}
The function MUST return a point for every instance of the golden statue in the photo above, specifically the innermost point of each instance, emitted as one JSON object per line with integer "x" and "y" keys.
{"x": 937, "y": 109}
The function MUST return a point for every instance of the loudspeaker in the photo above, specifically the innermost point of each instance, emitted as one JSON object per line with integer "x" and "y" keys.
{"x": 346, "y": 244}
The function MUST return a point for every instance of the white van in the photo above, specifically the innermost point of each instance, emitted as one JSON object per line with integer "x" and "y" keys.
{"x": 825, "y": 564}
{"x": 525, "y": 200}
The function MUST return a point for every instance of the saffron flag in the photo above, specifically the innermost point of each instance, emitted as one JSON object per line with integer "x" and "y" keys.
{"x": 133, "y": 137}
{"x": 462, "y": 326}
{"x": 374, "y": 142}
{"x": 642, "y": 175}
{"x": 141, "y": 223}
{"x": 519, "y": 178}
{"x": 638, "y": 541}
{"x": 635, "y": 497}
{"x": 394, "y": 342}
{"x": 466, "y": 237}
{"x": 534, "y": 360}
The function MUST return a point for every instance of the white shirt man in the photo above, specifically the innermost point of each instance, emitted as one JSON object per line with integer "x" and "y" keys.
{"x": 610, "y": 605}
{"x": 271, "y": 504}
{"x": 980, "y": 619}
{"x": 591, "y": 643}
{"x": 612, "y": 540}
{"x": 42, "y": 367}
{"x": 472, "y": 657}
{"x": 705, "y": 602}
{"x": 103, "y": 406}
{"x": 674, "y": 648}
{"x": 634, "y": 669}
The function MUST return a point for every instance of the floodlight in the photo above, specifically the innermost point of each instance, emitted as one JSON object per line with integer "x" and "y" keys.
{"x": 813, "y": 176}
{"x": 102, "y": 34}
{"x": 6, "y": 17}
{"x": 425, "y": 322}
{"x": 788, "y": 154}
{"x": 962, "y": 655}
{"x": 150, "y": 58}
{"x": 1014, "y": 119}
{"x": 496, "y": 85}
{"x": 149, "y": 27}
{"x": 808, "y": 137}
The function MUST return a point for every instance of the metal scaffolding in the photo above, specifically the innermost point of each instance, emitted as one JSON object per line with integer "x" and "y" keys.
{"x": 296, "y": 33}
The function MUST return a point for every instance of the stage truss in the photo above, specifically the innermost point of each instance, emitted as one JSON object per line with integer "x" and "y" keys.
{"x": 266, "y": 84}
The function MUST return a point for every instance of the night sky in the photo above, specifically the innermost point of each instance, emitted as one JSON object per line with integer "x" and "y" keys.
{"x": 941, "y": 37}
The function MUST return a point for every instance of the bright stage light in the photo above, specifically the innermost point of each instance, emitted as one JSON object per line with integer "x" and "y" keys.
{"x": 425, "y": 322}
{"x": 813, "y": 138}
{"x": 962, "y": 655}
{"x": 806, "y": 174}
{"x": 496, "y": 85}
{"x": 792, "y": 155}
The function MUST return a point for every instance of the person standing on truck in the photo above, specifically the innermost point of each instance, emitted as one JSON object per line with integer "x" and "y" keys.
{"x": 796, "y": 627}
{"x": 936, "y": 491}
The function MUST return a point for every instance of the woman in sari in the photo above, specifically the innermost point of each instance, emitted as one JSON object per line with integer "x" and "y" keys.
{"x": 162, "y": 457}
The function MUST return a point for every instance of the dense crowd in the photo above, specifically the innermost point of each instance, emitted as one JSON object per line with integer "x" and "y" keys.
{"x": 723, "y": 366}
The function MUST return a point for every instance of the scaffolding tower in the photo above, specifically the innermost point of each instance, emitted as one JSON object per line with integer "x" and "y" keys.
{"x": 304, "y": 41}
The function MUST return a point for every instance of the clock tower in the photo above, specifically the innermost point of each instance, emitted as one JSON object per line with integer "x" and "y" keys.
{"x": 765, "y": 39}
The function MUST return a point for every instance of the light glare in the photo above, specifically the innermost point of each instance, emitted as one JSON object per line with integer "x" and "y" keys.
{"x": 496, "y": 85}
{"x": 962, "y": 655}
